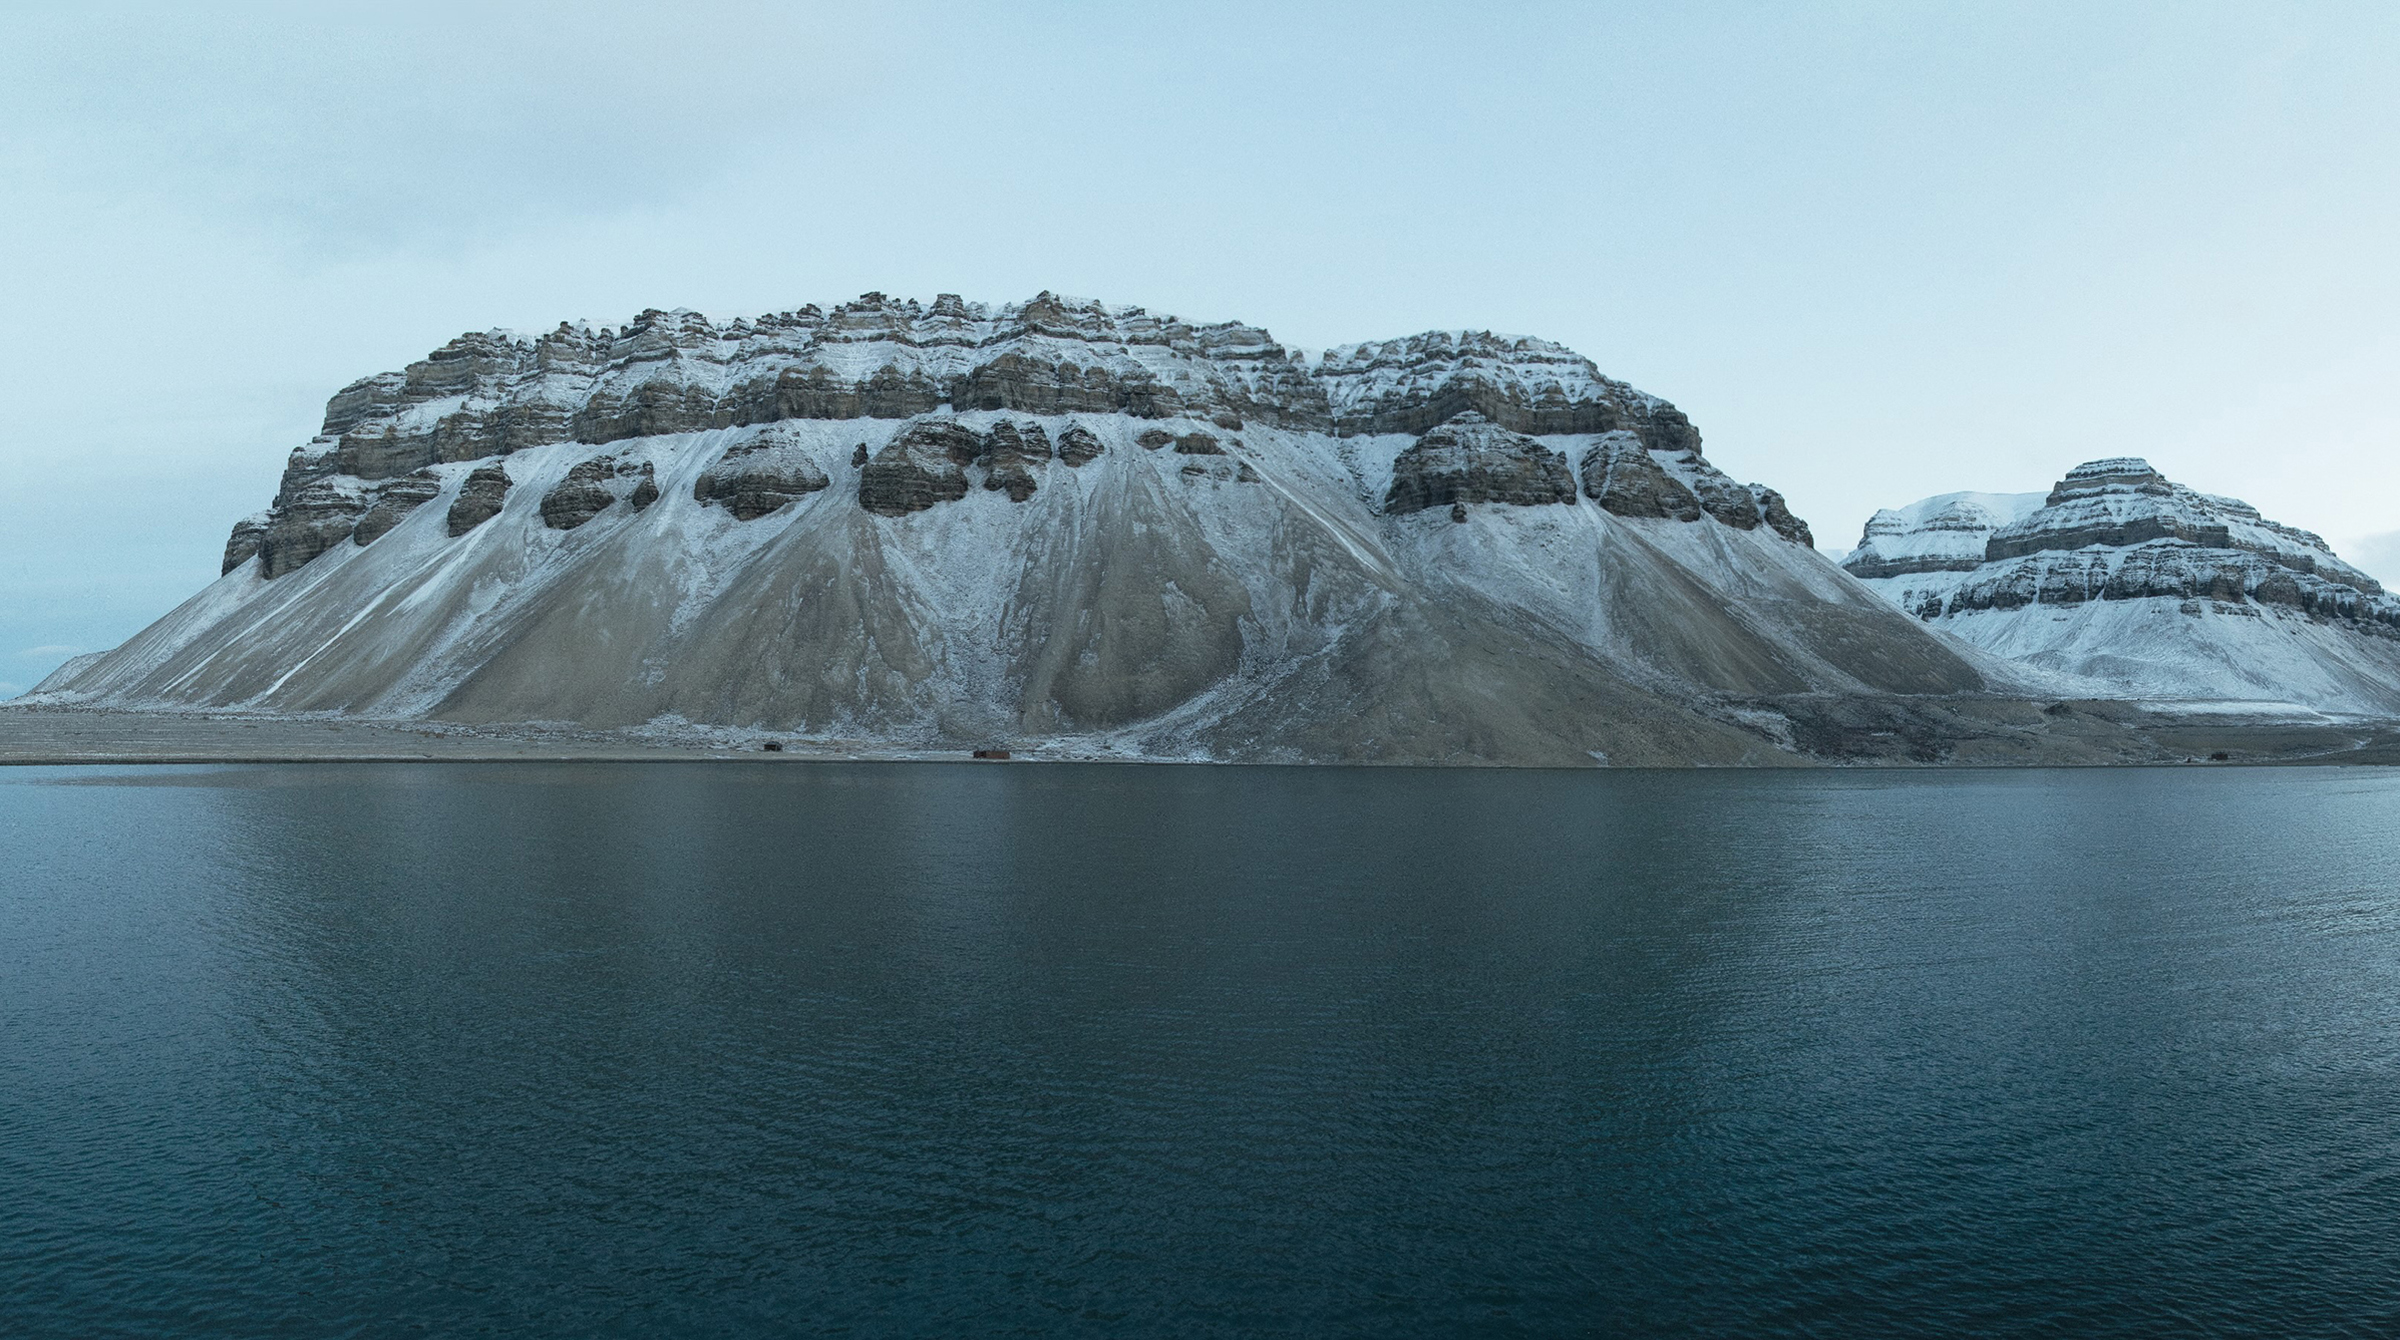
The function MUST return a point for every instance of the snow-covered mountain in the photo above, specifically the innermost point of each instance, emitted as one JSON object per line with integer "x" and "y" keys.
{"x": 2143, "y": 588}
{"x": 1050, "y": 522}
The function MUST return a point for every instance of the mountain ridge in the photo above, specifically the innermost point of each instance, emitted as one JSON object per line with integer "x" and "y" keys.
{"x": 2142, "y": 587}
{"x": 1045, "y": 522}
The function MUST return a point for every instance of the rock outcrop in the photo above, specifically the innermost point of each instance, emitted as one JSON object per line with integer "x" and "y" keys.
{"x": 308, "y": 521}
{"x": 1523, "y": 385}
{"x": 664, "y": 373}
{"x": 594, "y": 486}
{"x": 2147, "y": 587}
{"x": 1077, "y": 446}
{"x": 1628, "y": 477}
{"x": 1012, "y": 457}
{"x": 1777, "y": 514}
{"x": 1470, "y": 459}
{"x": 1733, "y": 504}
{"x": 393, "y": 501}
{"x": 1622, "y": 476}
{"x": 248, "y": 538}
{"x": 760, "y": 477}
{"x": 479, "y": 499}
{"x": 922, "y": 466}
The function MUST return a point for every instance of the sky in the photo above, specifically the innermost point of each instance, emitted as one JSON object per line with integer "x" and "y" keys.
{"x": 1876, "y": 251}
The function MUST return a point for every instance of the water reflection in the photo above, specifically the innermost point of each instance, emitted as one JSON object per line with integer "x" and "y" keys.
{"x": 644, "y": 1048}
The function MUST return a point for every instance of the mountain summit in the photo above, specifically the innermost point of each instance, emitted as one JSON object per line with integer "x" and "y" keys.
{"x": 1048, "y": 523}
{"x": 2144, "y": 588}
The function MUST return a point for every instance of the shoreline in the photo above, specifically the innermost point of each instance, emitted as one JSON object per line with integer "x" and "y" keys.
{"x": 51, "y": 735}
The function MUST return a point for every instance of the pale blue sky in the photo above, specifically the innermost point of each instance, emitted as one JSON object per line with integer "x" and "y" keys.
{"x": 1876, "y": 251}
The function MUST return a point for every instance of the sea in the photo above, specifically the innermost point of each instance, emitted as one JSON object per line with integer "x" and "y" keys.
{"x": 793, "y": 1047}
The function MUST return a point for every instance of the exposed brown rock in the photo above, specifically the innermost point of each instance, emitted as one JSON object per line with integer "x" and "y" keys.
{"x": 582, "y": 495}
{"x": 755, "y": 478}
{"x": 2081, "y": 512}
{"x": 393, "y": 502}
{"x": 1620, "y": 475}
{"x": 249, "y": 534}
{"x": 306, "y": 524}
{"x": 963, "y": 445}
{"x": 1779, "y": 516}
{"x": 1524, "y": 385}
{"x": 813, "y": 391}
{"x": 1731, "y": 503}
{"x": 1014, "y": 452}
{"x": 1471, "y": 460}
{"x": 919, "y": 468}
{"x": 2224, "y": 577}
{"x": 479, "y": 499}
{"x": 1078, "y": 446}
{"x": 1037, "y": 384}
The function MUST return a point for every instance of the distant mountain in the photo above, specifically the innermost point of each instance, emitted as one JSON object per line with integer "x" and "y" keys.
{"x": 2144, "y": 588}
{"x": 1049, "y": 523}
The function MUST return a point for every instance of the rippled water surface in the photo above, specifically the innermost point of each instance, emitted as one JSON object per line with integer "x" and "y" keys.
{"x": 723, "y": 1049}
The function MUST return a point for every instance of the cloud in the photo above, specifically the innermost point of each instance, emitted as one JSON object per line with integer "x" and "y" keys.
{"x": 424, "y": 125}
{"x": 56, "y": 649}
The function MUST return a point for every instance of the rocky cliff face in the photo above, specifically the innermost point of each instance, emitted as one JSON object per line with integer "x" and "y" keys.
{"x": 491, "y": 395}
{"x": 1947, "y": 533}
{"x": 596, "y": 485}
{"x": 1054, "y": 520}
{"x": 1470, "y": 459}
{"x": 2146, "y": 587}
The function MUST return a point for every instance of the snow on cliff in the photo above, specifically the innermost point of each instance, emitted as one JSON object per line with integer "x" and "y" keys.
{"x": 2143, "y": 587}
{"x": 1048, "y": 522}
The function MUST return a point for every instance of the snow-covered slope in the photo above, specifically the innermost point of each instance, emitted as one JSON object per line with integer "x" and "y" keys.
{"x": 2144, "y": 588}
{"x": 1945, "y": 533}
{"x": 1054, "y": 521}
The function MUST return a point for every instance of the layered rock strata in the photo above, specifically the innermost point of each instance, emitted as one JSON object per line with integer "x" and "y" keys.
{"x": 594, "y": 486}
{"x": 1077, "y": 446}
{"x": 393, "y": 501}
{"x": 1523, "y": 385}
{"x": 899, "y": 521}
{"x": 2147, "y": 586}
{"x": 308, "y": 521}
{"x": 1011, "y": 457}
{"x": 670, "y": 373}
{"x": 1622, "y": 476}
{"x": 922, "y": 466}
{"x": 1470, "y": 459}
{"x": 479, "y": 499}
{"x": 759, "y": 477}
{"x": 1947, "y": 533}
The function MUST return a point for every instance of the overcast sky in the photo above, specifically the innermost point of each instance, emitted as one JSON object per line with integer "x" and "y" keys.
{"x": 1875, "y": 251}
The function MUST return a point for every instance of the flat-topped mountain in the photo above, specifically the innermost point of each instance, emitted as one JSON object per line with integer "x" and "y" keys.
{"x": 669, "y": 373}
{"x": 2144, "y": 587}
{"x": 1053, "y": 522}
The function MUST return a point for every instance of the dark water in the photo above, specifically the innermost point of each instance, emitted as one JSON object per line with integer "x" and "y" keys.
{"x": 710, "y": 1050}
